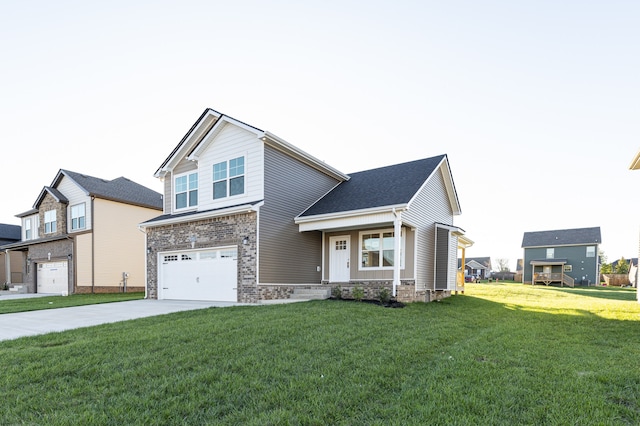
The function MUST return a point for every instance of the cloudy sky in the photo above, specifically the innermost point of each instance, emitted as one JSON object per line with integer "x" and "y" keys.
{"x": 536, "y": 103}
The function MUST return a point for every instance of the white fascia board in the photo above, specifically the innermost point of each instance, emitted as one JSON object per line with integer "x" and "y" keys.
{"x": 246, "y": 208}
{"x": 305, "y": 157}
{"x": 217, "y": 127}
{"x": 187, "y": 144}
{"x": 443, "y": 168}
{"x": 352, "y": 219}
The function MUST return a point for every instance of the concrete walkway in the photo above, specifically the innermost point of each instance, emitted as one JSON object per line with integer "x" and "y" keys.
{"x": 13, "y": 326}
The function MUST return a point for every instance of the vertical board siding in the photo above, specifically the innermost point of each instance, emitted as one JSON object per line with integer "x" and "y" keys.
{"x": 119, "y": 245}
{"x": 429, "y": 206}
{"x": 286, "y": 255}
{"x": 75, "y": 195}
{"x": 453, "y": 261}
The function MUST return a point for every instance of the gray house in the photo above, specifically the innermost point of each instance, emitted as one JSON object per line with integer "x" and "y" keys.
{"x": 250, "y": 217}
{"x": 565, "y": 256}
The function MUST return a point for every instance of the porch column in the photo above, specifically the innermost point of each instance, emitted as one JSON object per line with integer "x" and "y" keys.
{"x": 7, "y": 267}
{"x": 397, "y": 236}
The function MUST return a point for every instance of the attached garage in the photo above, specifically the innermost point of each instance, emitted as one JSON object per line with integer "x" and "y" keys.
{"x": 210, "y": 274}
{"x": 53, "y": 277}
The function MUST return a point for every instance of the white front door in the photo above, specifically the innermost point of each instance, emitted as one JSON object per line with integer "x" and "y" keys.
{"x": 339, "y": 258}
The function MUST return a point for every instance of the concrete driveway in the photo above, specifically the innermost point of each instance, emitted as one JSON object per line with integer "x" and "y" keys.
{"x": 13, "y": 326}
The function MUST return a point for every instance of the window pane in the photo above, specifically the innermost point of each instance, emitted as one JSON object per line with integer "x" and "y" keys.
{"x": 181, "y": 200}
{"x": 193, "y": 181}
{"x": 220, "y": 189}
{"x": 370, "y": 250}
{"x": 193, "y": 198}
{"x": 236, "y": 167}
{"x": 591, "y": 251}
{"x": 181, "y": 184}
{"x": 236, "y": 186}
{"x": 220, "y": 171}
{"x": 387, "y": 258}
{"x": 550, "y": 253}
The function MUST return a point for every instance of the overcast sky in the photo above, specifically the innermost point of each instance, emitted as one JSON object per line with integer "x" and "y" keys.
{"x": 536, "y": 103}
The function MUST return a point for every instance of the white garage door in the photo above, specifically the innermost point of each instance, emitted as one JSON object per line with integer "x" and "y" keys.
{"x": 199, "y": 275}
{"x": 53, "y": 277}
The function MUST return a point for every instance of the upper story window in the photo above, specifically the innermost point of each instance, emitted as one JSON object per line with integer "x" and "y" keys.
{"x": 377, "y": 250}
{"x": 591, "y": 251}
{"x": 550, "y": 253}
{"x": 186, "y": 190}
{"x": 50, "y": 223}
{"x": 228, "y": 178}
{"x": 28, "y": 233}
{"x": 78, "y": 217}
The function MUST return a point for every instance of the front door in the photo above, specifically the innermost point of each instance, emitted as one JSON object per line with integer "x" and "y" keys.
{"x": 339, "y": 259}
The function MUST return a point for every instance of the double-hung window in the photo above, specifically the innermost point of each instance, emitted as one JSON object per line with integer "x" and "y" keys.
{"x": 228, "y": 178}
{"x": 550, "y": 253}
{"x": 377, "y": 249}
{"x": 27, "y": 229}
{"x": 50, "y": 223}
{"x": 78, "y": 216}
{"x": 186, "y": 190}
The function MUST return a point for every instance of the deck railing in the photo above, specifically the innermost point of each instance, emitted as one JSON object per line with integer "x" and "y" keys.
{"x": 550, "y": 277}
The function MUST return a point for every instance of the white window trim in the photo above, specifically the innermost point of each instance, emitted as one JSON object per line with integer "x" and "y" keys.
{"x": 84, "y": 216}
{"x": 175, "y": 193}
{"x": 28, "y": 229}
{"x": 553, "y": 253}
{"x": 381, "y": 268}
{"x": 228, "y": 179}
{"x": 593, "y": 249}
{"x": 55, "y": 221}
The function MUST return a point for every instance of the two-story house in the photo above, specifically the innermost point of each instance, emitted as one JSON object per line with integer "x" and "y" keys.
{"x": 565, "y": 256}
{"x": 82, "y": 236}
{"x": 250, "y": 217}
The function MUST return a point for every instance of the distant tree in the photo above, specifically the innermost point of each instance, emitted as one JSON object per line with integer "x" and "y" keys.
{"x": 503, "y": 265}
{"x": 602, "y": 256}
{"x": 606, "y": 268}
{"x": 622, "y": 267}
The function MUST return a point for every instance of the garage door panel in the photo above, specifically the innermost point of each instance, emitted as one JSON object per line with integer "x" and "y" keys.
{"x": 204, "y": 275}
{"x": 53, "y": 277}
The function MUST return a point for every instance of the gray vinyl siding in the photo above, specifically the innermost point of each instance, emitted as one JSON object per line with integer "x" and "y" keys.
{"x": 406, "y": 273}
{"x": 431, "y": 205}
{"x": 287, "y": 256}
{"x": 576, "y": 256}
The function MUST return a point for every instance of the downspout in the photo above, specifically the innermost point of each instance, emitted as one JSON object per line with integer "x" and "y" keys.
{"x": 93, "y": 247}
{"x": 7, "y": 266}
{"x": 397, "y": 236}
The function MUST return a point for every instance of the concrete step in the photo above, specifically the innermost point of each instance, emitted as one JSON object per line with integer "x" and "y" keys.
{"x": 20, "y": 289}
{"x": 311, "y": 293}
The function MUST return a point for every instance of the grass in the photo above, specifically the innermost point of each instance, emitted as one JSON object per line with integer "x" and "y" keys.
{"x": 10, "y": 305}
{"x": 501, "y": 354}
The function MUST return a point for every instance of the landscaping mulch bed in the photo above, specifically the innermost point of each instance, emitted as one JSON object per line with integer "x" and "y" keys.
{"x": 389, "y": 304}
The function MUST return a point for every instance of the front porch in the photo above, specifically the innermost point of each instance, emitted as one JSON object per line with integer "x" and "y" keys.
{"x": 550, "y": 271}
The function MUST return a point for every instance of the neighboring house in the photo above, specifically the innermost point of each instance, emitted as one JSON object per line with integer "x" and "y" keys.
{"x": 565, "y": 256}
{"x": 635, "y": 165}
{"x": 250, "y": 217}
{"x": 10, "y": 267}
{"x": 479, "y": 267}
{"x": 81, "y": 236}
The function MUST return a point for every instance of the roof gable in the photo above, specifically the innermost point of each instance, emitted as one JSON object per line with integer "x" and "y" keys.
{"x": 393, "y": 185}
{"x": 57, "y": 195}
{"x": 120, "y": 190}
{"x": 562, "y": 237}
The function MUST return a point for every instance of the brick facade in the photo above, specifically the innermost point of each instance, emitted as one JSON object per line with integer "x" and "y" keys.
{"x": 53, "y": 251}
{"x": 209, "y": 233}
{"x": 50, "y": 203}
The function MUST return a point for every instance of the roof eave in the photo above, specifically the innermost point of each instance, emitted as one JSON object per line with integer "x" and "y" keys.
{"x": 350, "y": 213}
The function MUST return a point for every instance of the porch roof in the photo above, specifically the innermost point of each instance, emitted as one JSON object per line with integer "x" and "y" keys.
{"x": 548, "y": 262}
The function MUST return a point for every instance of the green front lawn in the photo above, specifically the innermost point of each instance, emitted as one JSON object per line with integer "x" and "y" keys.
{"x": 500, "y": 354}
{"x": 11, "y": 305}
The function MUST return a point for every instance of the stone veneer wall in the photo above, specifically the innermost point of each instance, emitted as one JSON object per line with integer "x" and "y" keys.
{"x": 50, "y": 203}
{"x": 39, "y": 253}
{"x": 209, "y": 233}
{"x": 405, "y": 292}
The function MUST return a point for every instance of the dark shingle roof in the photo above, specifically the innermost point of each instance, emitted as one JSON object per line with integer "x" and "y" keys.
{"x": 120, "y": 189}
{"x": 562, "y": 237}
{"x": 10, "y": 232}
{"x": 384, "y": 186}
